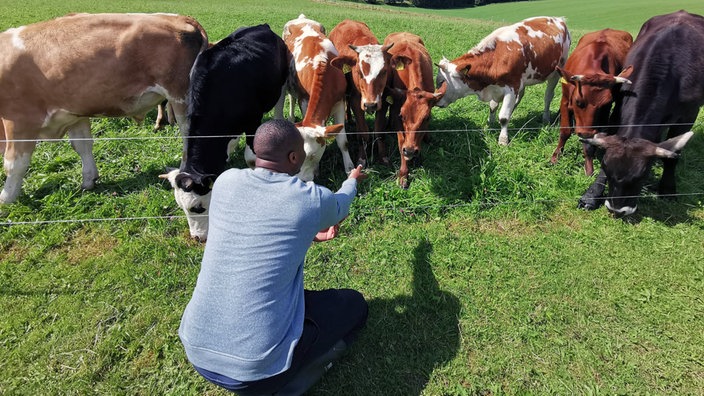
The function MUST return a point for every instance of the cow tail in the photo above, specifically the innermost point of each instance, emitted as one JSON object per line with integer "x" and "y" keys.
{"x": 201, "y": 40}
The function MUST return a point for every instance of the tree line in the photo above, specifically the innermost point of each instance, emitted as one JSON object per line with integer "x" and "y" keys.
{"x": 436, "y": 3}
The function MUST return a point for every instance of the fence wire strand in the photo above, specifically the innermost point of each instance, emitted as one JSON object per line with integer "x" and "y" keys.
{"x": 360, "y": 211}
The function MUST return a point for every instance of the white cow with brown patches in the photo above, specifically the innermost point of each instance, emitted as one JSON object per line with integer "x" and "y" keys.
{"x": 319, "y": 88}
{"x": 56, "y": 74}
{"x": 504, "y": 63}
{"x": 367, "y": 67}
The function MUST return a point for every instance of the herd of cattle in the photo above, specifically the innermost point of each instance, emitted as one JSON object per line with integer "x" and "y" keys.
{"x": 619, "y": 95}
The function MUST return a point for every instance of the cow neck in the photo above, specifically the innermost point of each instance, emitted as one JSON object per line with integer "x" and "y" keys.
{"x": 318, "y": 108}
{"x": 206, "y": 154}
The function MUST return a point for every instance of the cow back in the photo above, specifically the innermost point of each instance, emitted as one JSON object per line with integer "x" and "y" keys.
{"x": 668, "y": 64}
{"x": 97, "y": 64}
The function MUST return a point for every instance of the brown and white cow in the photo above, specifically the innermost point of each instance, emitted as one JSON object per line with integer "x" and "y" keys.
{"x": 56, "y": 74}
{"x": 413, "y": 96}
{"x": 504, "y": 63}
{"x": 319, "y": 88}
{"x": 366, "y": 64}
{"x": 591, "y": 83}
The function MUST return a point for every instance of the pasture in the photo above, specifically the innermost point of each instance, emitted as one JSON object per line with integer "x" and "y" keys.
{"x": 482, "y": 278}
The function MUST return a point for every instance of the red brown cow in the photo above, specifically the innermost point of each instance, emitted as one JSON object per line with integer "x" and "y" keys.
{"x": 590, "y": 85}
{"x": 504, "y": 63}
{"x": 55, "y": 74}
{"x": 320, "y": 90}
{"x": 366, "y": 63}
{"x": 411, "y": 87}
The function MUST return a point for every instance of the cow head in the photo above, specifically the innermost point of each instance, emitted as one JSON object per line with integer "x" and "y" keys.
{"x": 370, "y": 69}
{"x": 458, "y": 80}
{"x": 414, "y": 115}
{"x": 590, "y": 97}
{"x": 314, "y": 142}
{"x": 626, "y": 164}
{"x": 192, "y": 193}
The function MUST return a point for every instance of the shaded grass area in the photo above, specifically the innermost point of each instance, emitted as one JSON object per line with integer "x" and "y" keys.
{"x": 482, "y": 277}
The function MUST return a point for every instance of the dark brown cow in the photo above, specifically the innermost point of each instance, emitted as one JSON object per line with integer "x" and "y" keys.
{"x": 56, "y": 74}
{"x": 366, "y": 66}
{"x": 503, "y": 64}
{"x": 590, "y": 85}
{"x": 411, "y": 87}
{"x": 657, "y": 113}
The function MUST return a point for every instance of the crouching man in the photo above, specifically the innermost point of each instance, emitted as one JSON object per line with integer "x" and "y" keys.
{"x": 250, "y": 326}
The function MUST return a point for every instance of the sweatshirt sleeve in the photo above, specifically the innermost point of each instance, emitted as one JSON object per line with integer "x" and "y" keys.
{"x": 336, "y": 206}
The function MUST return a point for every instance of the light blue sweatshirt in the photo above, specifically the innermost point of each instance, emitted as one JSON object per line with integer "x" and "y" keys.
{"x": 246, "y": 314}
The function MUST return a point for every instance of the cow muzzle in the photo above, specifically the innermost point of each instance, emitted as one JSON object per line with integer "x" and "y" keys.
{"x": 410, "y": 152}
{"x": 371, "y": 107}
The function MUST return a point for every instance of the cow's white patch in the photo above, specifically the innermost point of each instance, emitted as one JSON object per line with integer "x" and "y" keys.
{"x": 624, "y": 211}
{"x": 16, "y": 40}
{"x": 314, "y": 151}
{"x": 372, "y": 55}
{"x": 456, "y": 88}
{"x": 15, "y": 171}
{"x": 304, "y": 60}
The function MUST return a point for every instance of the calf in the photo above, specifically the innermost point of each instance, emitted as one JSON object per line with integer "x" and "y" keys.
{"x": 319, "y": 88}
{"x": 233, "y": 84}
{"x": 664, "y": 99}
{"x": 590, "y": 85}
{"x": 411, "y": 89}
{"x": 366, "y": 63}
{"x": 56, "y": 74}
{"x": 504, "y": 63}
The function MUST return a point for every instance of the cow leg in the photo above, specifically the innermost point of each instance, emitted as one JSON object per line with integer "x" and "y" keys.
{"x": 338, "y": 112}
{"x": 507, "y": 107}
{"x": 403, "y": 171}
{"x": 549, "y": 94}
{"x": 593, "y": 197}
{"x": 362, "y": 135}
{"x": 380, "y": 128}
{"x": 279, "y": 107}
{"x": 565, "y": 129}
{"x": 493, "y": 105}
{"x": 18, "y": 155}
{"x": 82, "y": 142}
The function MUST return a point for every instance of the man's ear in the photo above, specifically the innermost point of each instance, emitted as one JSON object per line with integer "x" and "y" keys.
{"x": 293, "y": 157}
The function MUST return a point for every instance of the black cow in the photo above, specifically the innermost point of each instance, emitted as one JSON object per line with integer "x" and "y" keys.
{"x": 664, "y": 99}
{"x": 233, "y": 84}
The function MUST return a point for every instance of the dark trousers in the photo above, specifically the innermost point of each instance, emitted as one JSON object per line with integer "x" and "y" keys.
{"x": 333, "y": 319}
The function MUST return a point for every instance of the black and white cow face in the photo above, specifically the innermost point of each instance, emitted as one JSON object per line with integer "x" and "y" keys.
{"x": 193, "y": 196}
{"x": 627, "y": 163}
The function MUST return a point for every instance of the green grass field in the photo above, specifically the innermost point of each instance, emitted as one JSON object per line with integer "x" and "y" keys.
{"x": 482, "y": 278}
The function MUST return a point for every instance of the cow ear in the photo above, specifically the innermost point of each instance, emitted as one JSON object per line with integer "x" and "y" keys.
{"x": 333, "y": 129}
{"x": 440, "y": 92}
{"x": 677, "y": 143}
{"x": 343, "y": 63}
{"x": 170, "y": 175}
{"x": 399, "y": 62}
{"x": 565, "y": 75}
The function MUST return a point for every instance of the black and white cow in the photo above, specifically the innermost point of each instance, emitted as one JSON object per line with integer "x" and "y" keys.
{"x": 233, "y": 84}
{"x": 664, "y": 99}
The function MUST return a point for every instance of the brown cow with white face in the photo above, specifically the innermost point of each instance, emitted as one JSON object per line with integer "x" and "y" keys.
{"x": 413, "y": 96}
{"x": 55, "y": 74}
{"x": 590, "y": 84}
{"x": 503, "y": 64}
{"x": 366, "y": 66}
{"x": 319, "y": 88}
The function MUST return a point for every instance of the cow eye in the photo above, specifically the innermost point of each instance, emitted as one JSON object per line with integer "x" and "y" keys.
{"x": 581, "y": 104}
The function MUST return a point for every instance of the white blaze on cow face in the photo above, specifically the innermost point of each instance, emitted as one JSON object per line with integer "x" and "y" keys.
{"x": 456, "y": 88}
{"x": 371, "y": 61}
{"x": 194, "y": 206}
{"x": 314, "y": 146}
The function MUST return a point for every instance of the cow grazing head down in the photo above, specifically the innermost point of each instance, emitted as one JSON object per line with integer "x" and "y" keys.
{"x": 314, "y": 141}
{"x": 627, "y": 163}
{"x": 370, "y": 69}
{"x": 192, "y": 193}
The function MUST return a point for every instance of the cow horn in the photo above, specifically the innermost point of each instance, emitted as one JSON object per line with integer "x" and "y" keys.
{"x": 664, "y": 153}
{"x": 577, "y": 77}
{"x": 622, "y": 80}
{"x": 354, "y": 48}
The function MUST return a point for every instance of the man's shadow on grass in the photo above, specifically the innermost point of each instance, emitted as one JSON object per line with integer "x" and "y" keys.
{"x": 406, "y": 338}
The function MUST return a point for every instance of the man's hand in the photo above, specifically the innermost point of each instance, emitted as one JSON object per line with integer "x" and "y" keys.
{"x": 357, "y": 173}
{"x": 327, "y": 234}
